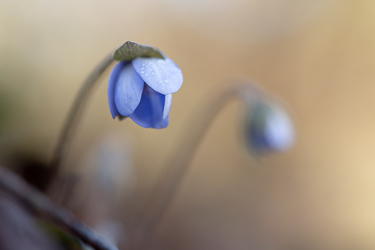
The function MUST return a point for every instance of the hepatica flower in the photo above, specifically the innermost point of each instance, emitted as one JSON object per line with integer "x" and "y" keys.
{"x": 269, "y": 128}
{"x": 141, "y": 85}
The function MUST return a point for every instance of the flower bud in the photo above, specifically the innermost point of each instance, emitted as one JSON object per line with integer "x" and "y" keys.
{"x": 268, "y": 127}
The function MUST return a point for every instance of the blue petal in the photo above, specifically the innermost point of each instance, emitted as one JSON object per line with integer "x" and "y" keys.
{"x": 143, "y": 114}
{"x": 167, "y": 105}
{"x": 128, "y": 90}
{"x": 149, "y": 112}
{"x": 111, "y": 87}
{"x": 279, "y": 130}
{"x": 163, "y": 75}
{"x": 163, "y": 124}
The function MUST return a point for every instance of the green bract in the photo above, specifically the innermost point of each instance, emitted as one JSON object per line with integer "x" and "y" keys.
{"x": 131, "y": 50}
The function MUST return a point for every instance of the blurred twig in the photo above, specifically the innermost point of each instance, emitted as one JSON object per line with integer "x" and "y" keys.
{"x": 39, "y": 204}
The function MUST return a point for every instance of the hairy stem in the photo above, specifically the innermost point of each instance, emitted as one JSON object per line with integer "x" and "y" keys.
{"x": 71, "y": 122}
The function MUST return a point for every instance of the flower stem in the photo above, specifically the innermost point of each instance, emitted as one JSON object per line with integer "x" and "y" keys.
{"x": 43, "y": 207}
{"x": 178, "y": 165}
{"x": 74, "y": 115}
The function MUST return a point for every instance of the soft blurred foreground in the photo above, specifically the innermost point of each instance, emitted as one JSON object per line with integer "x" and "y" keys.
{"x": 317, "y": 56}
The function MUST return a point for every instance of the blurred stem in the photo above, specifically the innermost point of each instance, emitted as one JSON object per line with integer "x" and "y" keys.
{"x": 176, "y": 168}
{"x": 75, "y": 113}
{"x": 40, "y": 205}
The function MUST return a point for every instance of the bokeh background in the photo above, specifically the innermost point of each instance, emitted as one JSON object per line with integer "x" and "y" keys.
{"x": 317, "y": 55}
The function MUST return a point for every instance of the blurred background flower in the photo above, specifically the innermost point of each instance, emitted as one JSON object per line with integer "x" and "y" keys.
{"x": 268, "y": 127}
{"x": 318, "y": 55}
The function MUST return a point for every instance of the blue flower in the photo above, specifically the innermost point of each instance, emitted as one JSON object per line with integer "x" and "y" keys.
{"x": 269, "y": 128}
{"x": 142, "y": 90}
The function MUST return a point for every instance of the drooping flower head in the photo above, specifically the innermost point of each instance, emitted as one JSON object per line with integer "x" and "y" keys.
{"x": 269, "y": 128}
{"x": 141, "y": 85}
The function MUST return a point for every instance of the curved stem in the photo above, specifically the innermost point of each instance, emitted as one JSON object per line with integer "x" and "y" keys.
{"x": 178, "y": 165}
{"x": 75, "y": 112}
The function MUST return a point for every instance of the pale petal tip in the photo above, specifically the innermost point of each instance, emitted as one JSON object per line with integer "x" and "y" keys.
{"x": 162, "y": 75}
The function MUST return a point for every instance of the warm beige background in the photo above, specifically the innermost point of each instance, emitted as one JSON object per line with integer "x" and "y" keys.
{"x": 319, "y": 56}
